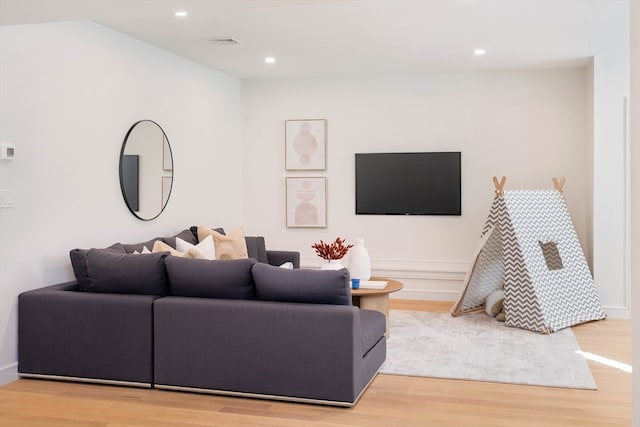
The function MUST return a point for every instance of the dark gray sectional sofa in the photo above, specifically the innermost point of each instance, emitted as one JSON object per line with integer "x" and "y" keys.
{"x": 238, "y": 327}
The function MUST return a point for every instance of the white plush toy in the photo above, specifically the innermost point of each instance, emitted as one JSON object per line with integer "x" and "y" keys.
{"x": 494, "y": 305}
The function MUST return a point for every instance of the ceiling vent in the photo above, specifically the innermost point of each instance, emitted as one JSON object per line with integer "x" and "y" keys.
{"x": 225, "y": 41}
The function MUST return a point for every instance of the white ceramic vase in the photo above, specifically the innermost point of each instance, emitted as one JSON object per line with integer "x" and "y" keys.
{"x": 359, "y": 261}
{"x": 332, "y": 264}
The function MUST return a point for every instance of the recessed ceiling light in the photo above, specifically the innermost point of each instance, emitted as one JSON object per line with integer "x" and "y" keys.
{"x": 270, "y": 60}
{"x": 181, "y": 13}
{"x": 479, "y": 52}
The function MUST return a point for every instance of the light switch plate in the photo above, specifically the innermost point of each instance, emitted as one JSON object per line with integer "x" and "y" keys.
{"x": 7, "y": 151}
{"x": 6, "y": 198}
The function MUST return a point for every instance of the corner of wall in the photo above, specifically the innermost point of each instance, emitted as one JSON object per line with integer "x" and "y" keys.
{"x": 589, "y": 113}
{"x": 8, "y": 374}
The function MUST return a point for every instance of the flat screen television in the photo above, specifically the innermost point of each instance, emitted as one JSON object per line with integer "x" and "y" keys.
{"x": 408, "y": 183}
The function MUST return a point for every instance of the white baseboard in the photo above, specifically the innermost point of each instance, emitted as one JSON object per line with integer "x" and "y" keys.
{"x": 422, "y": 280}
{"x": 425, "y": 295}
{"x": 616, "y": 312}
{"x": 8, "y": 373}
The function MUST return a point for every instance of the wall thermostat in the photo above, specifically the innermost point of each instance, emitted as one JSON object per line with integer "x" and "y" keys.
{"x": 7, "y": 151}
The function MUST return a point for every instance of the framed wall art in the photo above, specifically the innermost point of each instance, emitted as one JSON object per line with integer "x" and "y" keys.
{"x": 306, "y": 202}
{"x": 167, "y": 182}
{"x": 167, "y": 158}
{"x": 305, "y": 144}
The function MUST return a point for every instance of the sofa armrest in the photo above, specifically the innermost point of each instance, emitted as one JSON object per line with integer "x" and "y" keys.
{"x": 304, "y": 351}
{"x": 98, "y": 336}
{"x": 278, "y": 258}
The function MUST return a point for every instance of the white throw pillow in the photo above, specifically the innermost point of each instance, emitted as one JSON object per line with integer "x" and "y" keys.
{"x": 288, "y": 265}
{"x": 206, "y": 248}
{"x": 145, "y": 250}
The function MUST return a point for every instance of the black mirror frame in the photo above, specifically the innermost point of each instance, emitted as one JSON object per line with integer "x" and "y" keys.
{"x": 120, "y": 159}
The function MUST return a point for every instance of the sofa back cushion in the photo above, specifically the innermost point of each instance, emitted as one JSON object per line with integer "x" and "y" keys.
{"x": 225, "y": 278}
{"x": 256, "y": 248}
{"x": 194, "y": 231}
{"x": 79, "y": 263}
{"x": 303, "y": 286}
{"x": 113, "y": 272}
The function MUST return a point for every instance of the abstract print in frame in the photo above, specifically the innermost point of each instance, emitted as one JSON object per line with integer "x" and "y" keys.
{"x": 306, "y": 202}
{"x": 305, "y": 144}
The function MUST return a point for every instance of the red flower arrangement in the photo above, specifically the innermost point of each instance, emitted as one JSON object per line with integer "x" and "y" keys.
{"x": 335, "y": 250}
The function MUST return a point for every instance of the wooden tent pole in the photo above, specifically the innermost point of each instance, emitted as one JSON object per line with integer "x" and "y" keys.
{"x": 558, "y": 184}
{"x": 500, "y": 185}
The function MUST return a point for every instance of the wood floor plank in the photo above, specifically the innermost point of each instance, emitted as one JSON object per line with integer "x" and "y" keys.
{"x": 390, "y": 400}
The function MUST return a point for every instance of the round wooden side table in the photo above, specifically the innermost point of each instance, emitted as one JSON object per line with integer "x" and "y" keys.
{"x": 376, "y": 299}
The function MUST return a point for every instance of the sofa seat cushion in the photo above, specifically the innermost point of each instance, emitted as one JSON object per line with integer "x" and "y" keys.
{"x": 229, "y": 279}
{"x": 302, "y": 286}
{"x": 373, "y": 325}
{"x": 126, "y": 273}
{"x": 305, "y": 351}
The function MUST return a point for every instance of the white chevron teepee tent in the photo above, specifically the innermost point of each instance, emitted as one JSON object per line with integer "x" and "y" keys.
{"x": 530, "y": 247}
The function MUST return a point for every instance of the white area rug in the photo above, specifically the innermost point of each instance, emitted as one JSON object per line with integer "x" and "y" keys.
{"x": 477, "y": 347}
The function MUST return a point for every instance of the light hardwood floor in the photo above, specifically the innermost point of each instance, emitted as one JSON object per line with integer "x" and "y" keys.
{"x": 389, "y": 401}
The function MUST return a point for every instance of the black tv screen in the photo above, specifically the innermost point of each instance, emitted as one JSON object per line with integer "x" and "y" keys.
{"x": 408, "y": 183}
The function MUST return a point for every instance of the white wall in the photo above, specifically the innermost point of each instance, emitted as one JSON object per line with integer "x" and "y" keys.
{"x": 635, "y": 205}
{"x": 610, "y": 231}
{"x": 526, "y": 125}
{"x": 68, "y": 94}
{"x": 588, "y": 244}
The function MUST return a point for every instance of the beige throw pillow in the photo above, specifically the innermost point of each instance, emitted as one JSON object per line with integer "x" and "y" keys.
{"x": 159, "y": 246}
{"x": 231, "y": 246}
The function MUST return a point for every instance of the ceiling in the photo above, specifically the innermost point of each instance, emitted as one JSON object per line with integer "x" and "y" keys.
{"x": 339, "y": 37}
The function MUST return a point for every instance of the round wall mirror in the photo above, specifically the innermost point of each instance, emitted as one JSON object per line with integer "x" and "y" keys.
{"x": 146, "y": 170}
